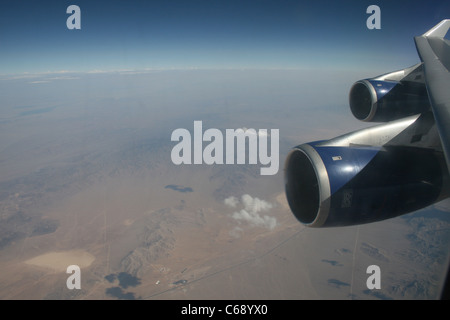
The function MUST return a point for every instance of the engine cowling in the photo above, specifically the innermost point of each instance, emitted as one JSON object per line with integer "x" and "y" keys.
{"x": 340, "y": 186}
{"x": 384, "y": 99}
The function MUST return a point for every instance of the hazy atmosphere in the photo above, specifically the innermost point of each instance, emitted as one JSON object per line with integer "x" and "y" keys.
{"x": 86, "y": 175}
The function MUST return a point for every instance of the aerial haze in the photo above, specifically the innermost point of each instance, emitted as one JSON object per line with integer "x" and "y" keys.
{"x": 86, "y": 176}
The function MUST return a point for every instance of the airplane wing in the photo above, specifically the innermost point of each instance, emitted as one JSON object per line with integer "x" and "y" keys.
{"x": 434, "y": 51}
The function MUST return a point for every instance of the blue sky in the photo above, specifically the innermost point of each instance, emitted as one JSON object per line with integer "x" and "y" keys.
{"x": 210, "y": 34}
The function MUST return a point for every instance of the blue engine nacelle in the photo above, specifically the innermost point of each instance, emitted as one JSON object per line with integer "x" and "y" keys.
{"x": 339, "y": 186}
{"x": 373, "y": 100}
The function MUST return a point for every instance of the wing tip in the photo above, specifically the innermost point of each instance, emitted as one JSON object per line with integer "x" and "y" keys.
{"x": 439, "y": 30}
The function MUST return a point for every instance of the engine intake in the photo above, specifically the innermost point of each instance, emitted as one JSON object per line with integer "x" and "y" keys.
{"x": 389, "y": 97}
{"x": 341, "y": 186}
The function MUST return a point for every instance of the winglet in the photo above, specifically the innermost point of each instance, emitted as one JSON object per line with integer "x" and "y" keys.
{"x": 439, "y": 30}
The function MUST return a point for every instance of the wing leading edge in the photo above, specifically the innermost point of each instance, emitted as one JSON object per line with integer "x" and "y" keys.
{"x": 434, "y": 51}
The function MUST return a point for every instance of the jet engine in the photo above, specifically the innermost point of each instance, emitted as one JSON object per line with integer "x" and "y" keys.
{"x": 389, "y": 97}
{"x": 389, "y": 169}
{"x": 339, "y": 186}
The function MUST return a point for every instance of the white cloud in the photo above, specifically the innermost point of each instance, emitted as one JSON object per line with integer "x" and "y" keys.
{"x": 251, "y": 211}
{"x": 40, "y": 81}
{"x": 231, "y": 201}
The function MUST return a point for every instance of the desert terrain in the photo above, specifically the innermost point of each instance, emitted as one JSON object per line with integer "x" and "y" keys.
{"x": 87, "y": 179}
